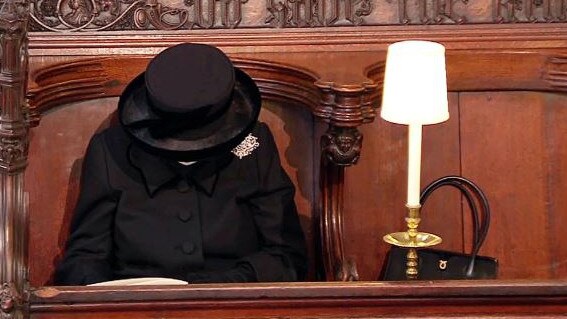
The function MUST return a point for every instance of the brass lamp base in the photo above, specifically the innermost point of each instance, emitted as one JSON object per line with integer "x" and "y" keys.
{"x": 412, "y": 239}
{"x": 421, "y": 240}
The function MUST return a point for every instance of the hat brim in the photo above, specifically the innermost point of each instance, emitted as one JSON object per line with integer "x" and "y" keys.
{"x": 211, "y": 139}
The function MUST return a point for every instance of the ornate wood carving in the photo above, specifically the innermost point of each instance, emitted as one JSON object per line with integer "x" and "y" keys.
{"x": 10, "y": 299}
{"x": 434, "y": 12}
{"x": 13, "y": 157}
{"x": 507, "y": 11}
{"x": 339, "y": 147}
{"x": 99, "y": 15}
{"x": 347, "y": 105}
{"x": 13, "y": 45}
{"x": 117, "y": 15}
{"x": 294, "y": 13}
{"x": 345, "y": 108}
{"x": 354, "y": 10}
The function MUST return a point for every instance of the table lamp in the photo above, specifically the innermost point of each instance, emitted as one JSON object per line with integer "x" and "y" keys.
{"x": 415, "y": 94}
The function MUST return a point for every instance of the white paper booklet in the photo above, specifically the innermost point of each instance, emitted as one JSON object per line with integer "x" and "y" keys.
{"x": 141, "y": 281}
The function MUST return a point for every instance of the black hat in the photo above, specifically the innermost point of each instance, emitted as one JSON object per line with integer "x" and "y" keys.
{"x": 190, "y": 103}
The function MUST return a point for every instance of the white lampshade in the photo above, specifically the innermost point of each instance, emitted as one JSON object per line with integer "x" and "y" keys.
{"x": 415, "y": 83}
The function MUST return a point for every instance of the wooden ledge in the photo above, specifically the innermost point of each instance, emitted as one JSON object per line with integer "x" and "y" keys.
{"x": 307, "y": 299}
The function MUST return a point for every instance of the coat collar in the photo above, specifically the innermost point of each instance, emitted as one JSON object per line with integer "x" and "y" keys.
{"x": 157, "y": 171}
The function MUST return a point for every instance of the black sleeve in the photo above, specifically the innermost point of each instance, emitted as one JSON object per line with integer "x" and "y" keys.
{"x": 88, "y": 252}
{"x": 282, "y": 256}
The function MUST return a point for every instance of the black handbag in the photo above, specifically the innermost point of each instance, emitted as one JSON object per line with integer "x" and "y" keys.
{"x": 436, "y": 264}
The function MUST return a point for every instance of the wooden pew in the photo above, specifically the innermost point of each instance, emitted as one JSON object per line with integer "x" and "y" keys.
{"x": 507, "y": 85}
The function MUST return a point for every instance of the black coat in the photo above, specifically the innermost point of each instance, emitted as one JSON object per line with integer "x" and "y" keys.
{"x": 227, "y": 219}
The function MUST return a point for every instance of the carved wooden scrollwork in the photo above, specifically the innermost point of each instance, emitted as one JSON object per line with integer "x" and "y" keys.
{"x": 153, "y": 13}
{"x": 434, "y": 12}
{"x": 293, "y": 13}
{"x": 529, "y": 11}
{"x": 354, "y": 11}
{"x": 118, "y": 15}
{"x": 99, "y": 15}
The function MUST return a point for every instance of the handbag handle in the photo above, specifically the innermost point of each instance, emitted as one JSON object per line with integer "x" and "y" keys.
{"x": 471, "y": 192}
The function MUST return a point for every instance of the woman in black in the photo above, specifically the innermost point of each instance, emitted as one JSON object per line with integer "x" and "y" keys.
{"x": 189, "y": 186}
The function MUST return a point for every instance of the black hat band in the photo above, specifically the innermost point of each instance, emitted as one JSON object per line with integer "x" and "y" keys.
{"x": 171, "y": 124}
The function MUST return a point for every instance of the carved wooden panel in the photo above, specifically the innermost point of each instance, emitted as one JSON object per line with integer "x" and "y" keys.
{"x": 509, "y": 143}
{"x": 117, "y": 15}
{"x": 519, "y": 165}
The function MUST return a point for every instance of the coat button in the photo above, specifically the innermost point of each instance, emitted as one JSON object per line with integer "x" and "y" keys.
{"x": 188, "y": 247}
{"x": 183, "y": 186}
{"x": 185, "y": 215}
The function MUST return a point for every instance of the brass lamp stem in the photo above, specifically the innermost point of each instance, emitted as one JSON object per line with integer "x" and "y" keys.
{"x": 412, "y": 221}
{"x": 412, "y": 260}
